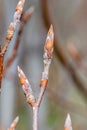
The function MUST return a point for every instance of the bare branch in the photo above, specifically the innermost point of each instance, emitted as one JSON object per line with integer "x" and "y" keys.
{"x": 26, "y": 16}
{"x": 14, "y": 124}
{"x": 26, "y": 87}
{"x": 12, "y": 26}
{"x": 10, "y": 33}
{"x": 48, "y": 49}
{"x": 68, "y": 123}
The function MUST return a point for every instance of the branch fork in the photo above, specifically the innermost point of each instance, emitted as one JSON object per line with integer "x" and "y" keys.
{"x": 35, "y": 103}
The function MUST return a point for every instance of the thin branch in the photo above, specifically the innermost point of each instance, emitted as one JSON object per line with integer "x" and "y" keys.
{"x": 12, "y": 26}
{"x": 61, "y": 53}
{"x": 35, "y": 117}
{"x": 48, "y": 49}
{"x": 14, "y": 124}
{"x": 10, "y": 34}
{"x": 68, "y": 123}
{"x": 25, "y": 17}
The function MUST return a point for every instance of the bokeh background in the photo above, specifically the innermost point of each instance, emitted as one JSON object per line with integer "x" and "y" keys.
{"x": 67, "y": 87}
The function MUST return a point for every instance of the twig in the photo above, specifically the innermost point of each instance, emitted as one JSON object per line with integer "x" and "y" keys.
{"x": 10, "y": 33}
{"x": 14, "y": 124}
{"x": 12, "y": 26}
{"x": 26, "y": 87}
{"x": 25, "y": 17}
{"x": 68, "y": 123}
{"x": 48, "y": 49}
{"x": 61, "y": 53}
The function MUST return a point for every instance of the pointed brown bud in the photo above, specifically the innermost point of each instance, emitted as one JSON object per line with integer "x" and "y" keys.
{"x": 50, "y": 39}
{"x": 26, "y": 87}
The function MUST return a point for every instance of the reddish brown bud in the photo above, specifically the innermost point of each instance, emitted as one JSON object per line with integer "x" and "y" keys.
{"x": 50, "y": 39}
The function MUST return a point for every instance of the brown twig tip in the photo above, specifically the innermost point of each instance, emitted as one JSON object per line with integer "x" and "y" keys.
{"x": 48, "y": 49}
{"x": 68, "y": 123}
{"x": 49, "y": 41}
{"x": 14, "y": 124}
{"x": 26, "y": 87}
{"x": 27, "y": 14}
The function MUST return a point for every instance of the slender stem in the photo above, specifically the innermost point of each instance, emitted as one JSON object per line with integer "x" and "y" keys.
{"x": 35, "y": 118}
{"x": 40, "y": 96}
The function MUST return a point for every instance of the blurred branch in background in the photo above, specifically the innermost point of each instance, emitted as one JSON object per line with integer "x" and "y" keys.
{"x": 66, "y": 104}
{"x": 76, "y": 56}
